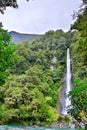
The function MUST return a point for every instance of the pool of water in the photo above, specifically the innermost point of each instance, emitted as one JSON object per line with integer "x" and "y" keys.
{"x": 12, "y": 127}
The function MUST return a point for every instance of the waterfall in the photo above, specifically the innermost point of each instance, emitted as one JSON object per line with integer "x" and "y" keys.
{"x": 65, "y": 101}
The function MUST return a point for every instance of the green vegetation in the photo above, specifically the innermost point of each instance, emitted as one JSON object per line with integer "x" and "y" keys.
{"x": 79, "y": 65}
{"x": 79, "y": 101}
{"x": 30, "y": 94}
{"x": 31, "y": 75}
{"x": 7, "y": 57}
{"x": 30, "y": 78}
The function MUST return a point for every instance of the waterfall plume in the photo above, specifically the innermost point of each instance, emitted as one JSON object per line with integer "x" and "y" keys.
{"x": 65, "y": 101}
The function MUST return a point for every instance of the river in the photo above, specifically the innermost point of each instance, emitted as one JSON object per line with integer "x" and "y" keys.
{"x": 17, "y": 127}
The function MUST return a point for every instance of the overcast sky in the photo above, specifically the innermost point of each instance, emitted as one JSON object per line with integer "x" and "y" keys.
{"x": 39, "y": 16}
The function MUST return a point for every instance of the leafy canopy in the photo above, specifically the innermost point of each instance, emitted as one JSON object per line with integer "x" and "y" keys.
{"x": 6, "y": 53}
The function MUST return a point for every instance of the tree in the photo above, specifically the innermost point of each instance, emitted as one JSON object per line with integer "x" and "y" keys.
{"x": 79, "y": 92}
{"x": 79, "y": 101}
{"x": 81, "y": 25}
{"x": 8, "y": 3}
{"x": 6, "y": 53}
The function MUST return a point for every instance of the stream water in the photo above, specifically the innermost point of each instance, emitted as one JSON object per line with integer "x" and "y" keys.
{"x": 15, "y": 127}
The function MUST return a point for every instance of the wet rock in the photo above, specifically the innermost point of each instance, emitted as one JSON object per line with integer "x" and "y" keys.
{"x": 82, "y": 125}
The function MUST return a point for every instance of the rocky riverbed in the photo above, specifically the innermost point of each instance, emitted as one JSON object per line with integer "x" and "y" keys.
{"x": 69, "y": 125}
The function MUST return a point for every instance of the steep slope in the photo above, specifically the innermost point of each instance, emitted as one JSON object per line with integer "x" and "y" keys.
{"x": 19, "y": 37}
{"x": 30, "y": 94}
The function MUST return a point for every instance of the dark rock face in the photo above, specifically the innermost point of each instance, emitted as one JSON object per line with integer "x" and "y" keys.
{"x": 19, "y": 37}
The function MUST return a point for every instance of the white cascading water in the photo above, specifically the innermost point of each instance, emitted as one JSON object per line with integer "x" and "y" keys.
{"x": 66, "y": 100}
{"x": 68, "y": 80}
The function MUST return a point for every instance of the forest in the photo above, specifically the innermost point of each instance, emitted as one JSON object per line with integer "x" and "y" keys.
{"x": 31, "y": 75}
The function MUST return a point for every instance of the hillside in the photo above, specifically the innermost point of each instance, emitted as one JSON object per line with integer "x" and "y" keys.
{"x": 20, "y": 37}
{"x": 32, "y": 78}
{"x": 43, "y": 78}
{"x": 32, "y": 89}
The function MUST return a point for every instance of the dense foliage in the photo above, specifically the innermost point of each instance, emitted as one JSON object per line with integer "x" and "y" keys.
{"x": 79, "y": 63}
{"x": 6, "y": 54}
{"x": 79, "y": 101}
{"x": 30, "y": 95}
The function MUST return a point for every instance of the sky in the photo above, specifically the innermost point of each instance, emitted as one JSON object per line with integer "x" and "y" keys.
{"x": 40, "y": 16}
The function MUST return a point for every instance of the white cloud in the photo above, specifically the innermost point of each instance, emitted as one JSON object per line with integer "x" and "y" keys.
{"x": 38, "y": 16}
